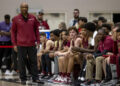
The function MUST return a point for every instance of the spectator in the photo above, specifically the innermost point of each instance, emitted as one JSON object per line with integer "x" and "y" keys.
{"x": 62, "y": 26}
{"x": 101, "y": 21}
{"x": 74, "y": 21}
{"x": 43, "y": 24}
{"x": 5, "y": 40}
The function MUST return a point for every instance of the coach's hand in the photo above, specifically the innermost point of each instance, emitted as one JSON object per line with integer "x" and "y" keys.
{"x": 15, "y": 49}
{"x": 38, "y": 46}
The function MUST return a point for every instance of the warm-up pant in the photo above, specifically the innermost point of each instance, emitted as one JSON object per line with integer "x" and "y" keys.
{"x": 26, "y": 54}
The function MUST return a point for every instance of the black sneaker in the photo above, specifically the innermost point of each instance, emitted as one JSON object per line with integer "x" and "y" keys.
{"x": 48, "y": 76}
{"x": 52, "y": 78}
{"x": 23, "y": 82}
{"x": 118, "y": 82}
{"x": 43, "y": 76}
{"x": 96, "y": 82}
{"x": 88, "y": 82}
{"x": 104, "y": 81}
{"x": 84, "y": 83}
{"x": 38, "y": 81}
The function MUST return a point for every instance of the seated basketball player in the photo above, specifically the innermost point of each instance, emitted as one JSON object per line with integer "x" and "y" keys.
{"x": 49, "y": 45}
{"x": 43, "y": 41}
{"x": 48, "y": 56}
{"x": 113, "y": 59}
{"x": 64, "y": 58}
{"x": 64, "y": 45}
{"x": 105, "y": 46}
{"x": 89, "y": 46}
{"x": 85, "y": 44}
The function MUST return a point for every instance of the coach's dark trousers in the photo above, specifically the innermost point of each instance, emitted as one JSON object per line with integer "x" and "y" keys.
{"x": 27, "y": 54}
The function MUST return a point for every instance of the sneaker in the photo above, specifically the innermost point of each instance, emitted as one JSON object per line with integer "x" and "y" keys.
{"x": 48, "y": 76}
{"x": 96, "y": 82}
{"x": 69, "y": 80}
{"x": 64, "y": 79}
{"x": 7, "y": 72}
{"x": 38, "y": 81}
{"x": 52, "y": 78}
{"x": 118, "y": 82}
{"x": 83, "y": 83}
{"x": 88, "y": 82}
{"x": 8, "y": 77}
{"x": 42, "y": 75}
{"x": 112, "y": 82}
{"x": 58, "y": 79}
{"x": 13, "y": 72}
{"x": 79, "y": 78}
{"x": 82, "y": 79}
{"x": 104, "y": 81}
{"x": 23, "y": 82}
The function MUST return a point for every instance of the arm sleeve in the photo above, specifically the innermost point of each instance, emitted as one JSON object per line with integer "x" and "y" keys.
{"x": 0, "y": 26}
{"x": 115, "y": 48}
{"x": 78, "y": 49}
{"x": 14, "y": 32}
{"x": 96, "y": 54}
{"x": 37, "y": 24}
{"x": 46, "y": 25}
{"x": 109, "y": 45}
{"x": 71, "y": 23}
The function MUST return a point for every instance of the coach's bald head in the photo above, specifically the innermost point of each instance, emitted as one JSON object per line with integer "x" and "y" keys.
{"x": 24, "y": 8}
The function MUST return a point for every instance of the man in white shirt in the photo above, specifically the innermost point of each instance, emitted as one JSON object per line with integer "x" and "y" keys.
{"x": 74, "y": 21}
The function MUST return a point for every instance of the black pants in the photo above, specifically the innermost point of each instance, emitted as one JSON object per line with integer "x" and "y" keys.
{"x": 108, "y": 72}
{"x": 6, "y": 53}
{"x": 26, "y": 54}
{"x": 83, "y": 70}
{"x": 46, "y": 63}
{"x": 14, "y": 60}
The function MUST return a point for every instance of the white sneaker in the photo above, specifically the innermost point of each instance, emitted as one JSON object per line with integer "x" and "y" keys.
{"x": 8, "y": 77}
{"x": 7, "y": 72}
{"x": 79, "y": 78}
{"x": 69, "y": 80}
{"x": 58, "y": 79}
{"x": 41, "y": 74}
{"x": 13, "y": 72}
{"x": 82, "y": 79}
{"x": 63, "y": 79}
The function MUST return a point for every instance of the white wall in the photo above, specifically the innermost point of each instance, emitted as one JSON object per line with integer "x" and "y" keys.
{"x": 61, "y": 6}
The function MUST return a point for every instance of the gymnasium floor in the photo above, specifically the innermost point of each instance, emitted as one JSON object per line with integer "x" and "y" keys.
{"x": 14, "y": 81}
